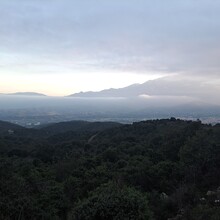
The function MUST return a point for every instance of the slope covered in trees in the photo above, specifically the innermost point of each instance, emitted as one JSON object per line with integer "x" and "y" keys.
{"x": 158, "y": 169}
{"x": 5, "y": 126}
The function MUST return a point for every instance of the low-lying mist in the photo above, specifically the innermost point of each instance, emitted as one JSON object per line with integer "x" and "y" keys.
{"x": 34, "y": 109}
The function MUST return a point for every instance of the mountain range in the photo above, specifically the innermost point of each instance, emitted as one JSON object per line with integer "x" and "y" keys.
{"x": 167, "y": 86}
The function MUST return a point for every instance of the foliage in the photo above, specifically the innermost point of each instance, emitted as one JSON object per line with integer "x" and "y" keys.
{"x": 105, "y": 170}
{"x": 112, "y": 202}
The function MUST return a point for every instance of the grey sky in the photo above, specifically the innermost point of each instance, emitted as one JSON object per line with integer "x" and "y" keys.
{"x": 70, "y": 37}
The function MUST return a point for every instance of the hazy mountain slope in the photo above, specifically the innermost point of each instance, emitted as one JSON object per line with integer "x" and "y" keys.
{"x": 5, "y": 126}
{"x": 26, "y": 139}
{"x": 167, "y": 86}
{"x": 132, "y": 90}
{"x": 27, "y": 94}
{"x": 77, "y": 126}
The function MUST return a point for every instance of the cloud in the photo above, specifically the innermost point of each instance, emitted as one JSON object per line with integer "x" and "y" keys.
{"x": 139, "y": 36}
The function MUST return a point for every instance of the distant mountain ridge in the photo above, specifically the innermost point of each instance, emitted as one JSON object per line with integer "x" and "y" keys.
{"x": 26, "y": 94}
{"x": 5, "y": 126}
{"x": 121, "y": 92}
{"x": 166, "y": 86}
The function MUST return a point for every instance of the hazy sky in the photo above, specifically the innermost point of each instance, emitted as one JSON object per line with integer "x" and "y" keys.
{"x": 59, "y": 47}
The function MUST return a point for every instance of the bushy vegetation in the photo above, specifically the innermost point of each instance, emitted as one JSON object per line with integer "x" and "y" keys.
{"x": 158, "y": 169}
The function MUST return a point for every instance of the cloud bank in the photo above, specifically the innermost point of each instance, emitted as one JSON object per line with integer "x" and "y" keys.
{"x": 135, "y": 36}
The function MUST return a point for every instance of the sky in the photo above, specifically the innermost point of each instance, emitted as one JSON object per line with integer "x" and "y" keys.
{"x": 59, "y": 47}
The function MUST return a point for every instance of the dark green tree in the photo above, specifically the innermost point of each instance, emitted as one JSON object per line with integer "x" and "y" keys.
{"x": 112, "y": 202}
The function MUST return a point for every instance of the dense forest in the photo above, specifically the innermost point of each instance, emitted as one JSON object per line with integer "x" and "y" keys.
{"x": 149, "y": 170}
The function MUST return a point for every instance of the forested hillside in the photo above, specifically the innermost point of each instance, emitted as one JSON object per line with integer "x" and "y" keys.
{"x": 156, "y": 170}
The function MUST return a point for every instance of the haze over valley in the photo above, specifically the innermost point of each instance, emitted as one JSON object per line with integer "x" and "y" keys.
{"x": 160, "y": 98}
